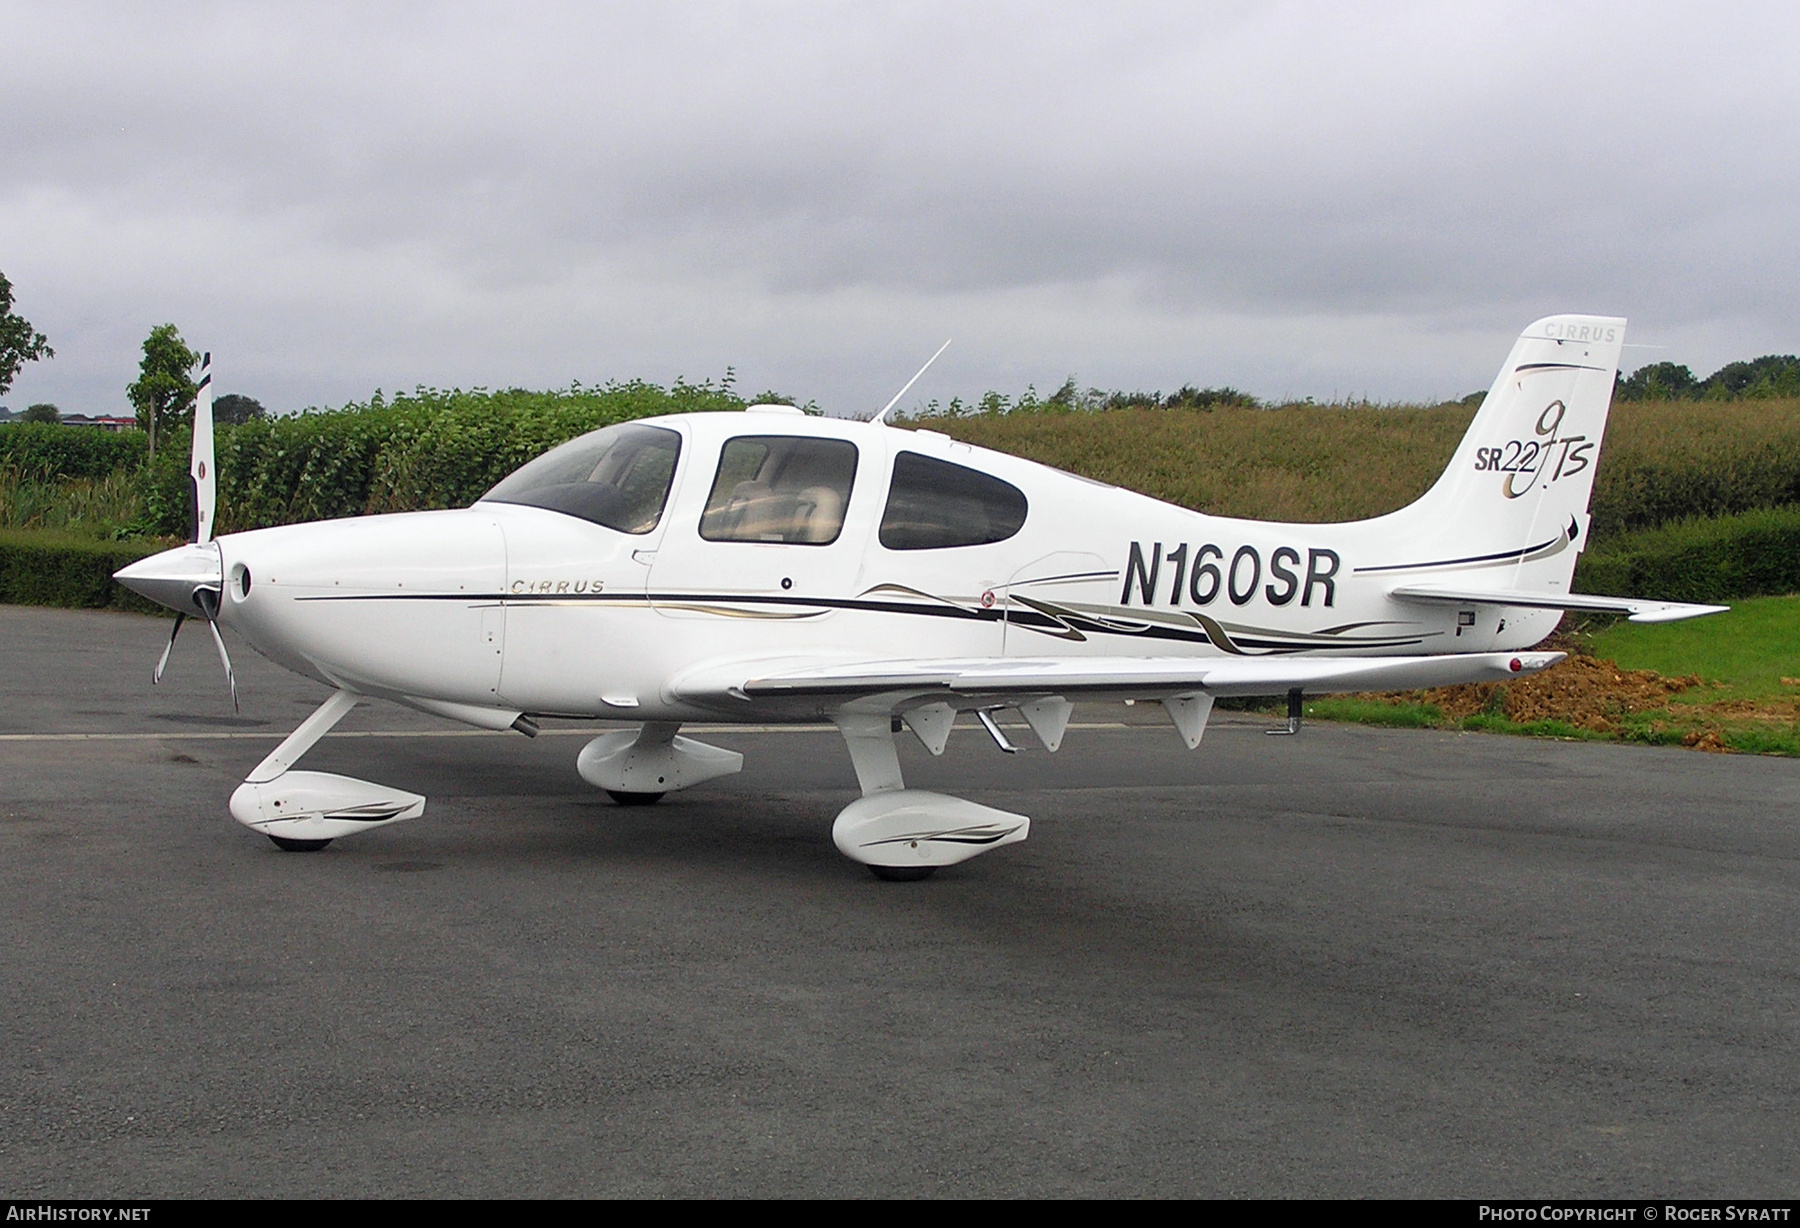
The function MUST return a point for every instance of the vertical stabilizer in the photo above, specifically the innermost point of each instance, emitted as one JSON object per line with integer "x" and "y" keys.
{"x": 1511, "y": 511}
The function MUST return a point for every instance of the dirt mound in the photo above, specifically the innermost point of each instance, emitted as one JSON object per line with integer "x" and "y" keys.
{"x": 1587, "y": 692}
{"x": 1594, "y": 694}
{"x": 1707, "y": 740}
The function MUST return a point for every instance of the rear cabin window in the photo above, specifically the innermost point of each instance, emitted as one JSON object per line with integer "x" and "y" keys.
{"x": 618, "y": 477}
{"x": 934, "y": 504}
{"x": 780, "y": 488}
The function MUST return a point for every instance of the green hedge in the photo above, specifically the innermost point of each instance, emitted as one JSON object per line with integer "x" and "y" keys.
{"x": 426, "y": 449}
{"x": 45, "y": 451}
{"x": 1643, "y": 483}
{"x": 1753, "y": 554}
{"x": 1662, "y": 461}
{"x": 53, "y": 569}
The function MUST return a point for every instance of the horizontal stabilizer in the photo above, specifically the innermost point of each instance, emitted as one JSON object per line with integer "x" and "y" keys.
{"x": 1639, "y": 611}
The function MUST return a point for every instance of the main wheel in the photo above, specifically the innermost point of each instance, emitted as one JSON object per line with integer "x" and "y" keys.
{"x": 289, "y": 845}
{"x": 902, "y": 874}
{"x": 633, "y": 799}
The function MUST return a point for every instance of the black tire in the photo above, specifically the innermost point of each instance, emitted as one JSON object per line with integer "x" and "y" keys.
{"x": 289, "y": 845}
{"x": 902, "y": 874}
{"x": 634, "y": 799}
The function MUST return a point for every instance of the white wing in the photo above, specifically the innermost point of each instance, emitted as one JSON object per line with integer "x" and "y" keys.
{"x": 974, "y": 681}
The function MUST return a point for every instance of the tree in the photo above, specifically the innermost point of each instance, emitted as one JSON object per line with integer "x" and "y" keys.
{"x": 235, "y": 409}
{"x": 1772, "y": 375}
{"x": 1662, "y": 381}
{"x": 41, "y": 412}
{"x": 164, "y": 393}
{"x": 19, "y": 342}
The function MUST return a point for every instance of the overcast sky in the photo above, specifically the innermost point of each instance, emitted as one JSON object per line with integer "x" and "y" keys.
{"x": 1294, "y": 199}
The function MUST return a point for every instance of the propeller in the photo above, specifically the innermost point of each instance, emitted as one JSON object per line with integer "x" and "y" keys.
{"x": 204, "y": 594}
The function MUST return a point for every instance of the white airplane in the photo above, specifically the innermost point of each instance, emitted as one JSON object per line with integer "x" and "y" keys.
{"x": 770, "y": 566}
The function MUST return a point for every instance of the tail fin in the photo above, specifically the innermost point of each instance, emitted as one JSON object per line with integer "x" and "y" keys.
{"x": 1511, "y": 511}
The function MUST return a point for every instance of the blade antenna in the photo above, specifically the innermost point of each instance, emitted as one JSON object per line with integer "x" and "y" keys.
{"x": 909, "y": 383}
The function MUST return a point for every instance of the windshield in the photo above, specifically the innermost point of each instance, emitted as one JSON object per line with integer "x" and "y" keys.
{"x": 618, "y": 477}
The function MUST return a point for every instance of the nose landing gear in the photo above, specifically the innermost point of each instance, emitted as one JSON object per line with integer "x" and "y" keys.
{"x": 302, "y": 812}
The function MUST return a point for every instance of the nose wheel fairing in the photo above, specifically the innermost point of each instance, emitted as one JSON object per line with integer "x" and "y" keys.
{"x": 320, "y": 806}
{"x": 302, "y": 810}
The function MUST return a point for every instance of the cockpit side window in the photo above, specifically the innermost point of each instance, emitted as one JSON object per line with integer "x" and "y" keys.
{"x": 933, "y": 504}
{"x": 780, "y": 488}
{"x": 618, "y": 477}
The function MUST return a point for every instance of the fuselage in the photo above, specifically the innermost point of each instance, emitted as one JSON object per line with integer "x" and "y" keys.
{"x": 507, "y": 606}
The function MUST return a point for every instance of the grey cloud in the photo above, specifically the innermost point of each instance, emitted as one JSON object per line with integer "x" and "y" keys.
{"x": 660, "y": 187}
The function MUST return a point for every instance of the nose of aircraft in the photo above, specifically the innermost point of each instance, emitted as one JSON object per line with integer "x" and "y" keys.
{"x": 402, "y": 604}
{"x": 181, "y": 578}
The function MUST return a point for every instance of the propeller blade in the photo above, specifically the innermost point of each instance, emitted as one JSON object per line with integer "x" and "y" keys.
{"x": 200, "y": 465}
{"x": 203, "y": 479}
{"x": 225, "y": 660}
{"x": 208, "y": 601}
{"x": 168, "y": 648}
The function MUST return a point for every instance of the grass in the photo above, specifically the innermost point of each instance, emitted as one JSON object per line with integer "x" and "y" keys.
{"x": 1356, "y": 710}
{"x": 1549, "y": 727}
{"x": 98, "y": 509}
{"x": 1745, "y": 653}
{"x": 1750, "y": 659}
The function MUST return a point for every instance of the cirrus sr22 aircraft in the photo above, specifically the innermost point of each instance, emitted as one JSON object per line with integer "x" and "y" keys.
{"x": 770, "y": 566}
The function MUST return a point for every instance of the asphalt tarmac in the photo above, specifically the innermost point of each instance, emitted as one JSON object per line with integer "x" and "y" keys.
{"x": 1355, "y": 962}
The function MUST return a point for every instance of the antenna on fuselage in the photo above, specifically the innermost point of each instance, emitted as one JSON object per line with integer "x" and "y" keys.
{"x": 909, "y": 383}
